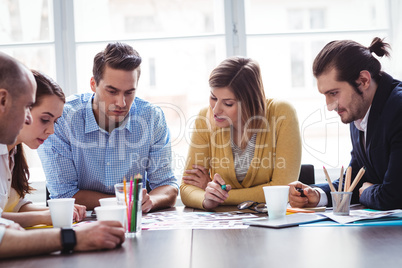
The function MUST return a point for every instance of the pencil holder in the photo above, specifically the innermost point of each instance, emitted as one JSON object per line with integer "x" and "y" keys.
{"x": 133, "y": 227}
{"x": 131, "y": 196}
{"x": 341, "y": 203}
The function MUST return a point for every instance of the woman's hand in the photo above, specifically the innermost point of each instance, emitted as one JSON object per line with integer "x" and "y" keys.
{"x": 214, "y": 194}
{"x": 198, "y": 176}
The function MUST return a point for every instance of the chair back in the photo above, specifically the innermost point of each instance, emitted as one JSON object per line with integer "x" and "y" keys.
{"x": 307, "y": 174}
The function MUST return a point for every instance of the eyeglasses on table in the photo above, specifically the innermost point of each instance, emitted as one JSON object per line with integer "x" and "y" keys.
{"x": 257, "y": 207}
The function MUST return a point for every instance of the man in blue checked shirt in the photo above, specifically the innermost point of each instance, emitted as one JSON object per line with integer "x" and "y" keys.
{"x": 106, "y": 135}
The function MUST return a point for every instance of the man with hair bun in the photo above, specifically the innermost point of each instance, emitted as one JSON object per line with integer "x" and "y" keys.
{"x": 351, "y": 79}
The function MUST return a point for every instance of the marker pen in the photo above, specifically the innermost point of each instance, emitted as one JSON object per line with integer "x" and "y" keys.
{"x": 300, "y": 190}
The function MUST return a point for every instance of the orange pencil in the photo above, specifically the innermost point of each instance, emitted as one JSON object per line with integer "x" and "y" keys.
{"x": 125, "y": 197}
{"x": 124, "y": 190}
{"x": 297, "y": 210}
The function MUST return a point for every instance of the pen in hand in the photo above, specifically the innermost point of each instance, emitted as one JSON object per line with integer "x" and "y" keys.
{"x": 218, "y": 180}
{"x": 300, "y": 190}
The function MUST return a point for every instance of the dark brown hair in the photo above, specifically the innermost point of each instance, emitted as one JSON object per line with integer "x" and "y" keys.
{"x": 118, "y": 56}
{"x": 45, "y": 87}
{"x": 349, "y": 58}
{"x": 243, "y": 77}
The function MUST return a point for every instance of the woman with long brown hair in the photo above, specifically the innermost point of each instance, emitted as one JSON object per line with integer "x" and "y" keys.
{"x": 48, "y": 107}
{"x": 241, "y": 142}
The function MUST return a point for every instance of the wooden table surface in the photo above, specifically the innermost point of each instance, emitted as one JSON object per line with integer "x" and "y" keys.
{"x": 339, "y": 247}
{"x": 298, "y": 247}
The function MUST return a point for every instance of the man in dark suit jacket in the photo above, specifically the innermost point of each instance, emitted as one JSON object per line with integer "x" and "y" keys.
{"x": 370, "y": 100}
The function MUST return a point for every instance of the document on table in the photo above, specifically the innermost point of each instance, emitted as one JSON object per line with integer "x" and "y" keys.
{"x": 286, "y": 221}
{"x": 168, "y": 220}
{"x": 364, "y": 214}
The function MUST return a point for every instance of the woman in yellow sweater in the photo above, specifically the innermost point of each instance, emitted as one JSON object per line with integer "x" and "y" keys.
{"x": 243, "y": 140}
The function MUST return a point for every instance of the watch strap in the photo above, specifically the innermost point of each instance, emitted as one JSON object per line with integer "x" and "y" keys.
{"x": 68, "y": 240}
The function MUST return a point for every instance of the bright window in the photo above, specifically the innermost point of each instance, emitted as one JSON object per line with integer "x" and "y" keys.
{"x": 285, "y": 36}
{"x": 26, "y": 33}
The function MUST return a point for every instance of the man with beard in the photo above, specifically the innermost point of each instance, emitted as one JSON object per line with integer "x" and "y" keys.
{"x": 350, "y": 78}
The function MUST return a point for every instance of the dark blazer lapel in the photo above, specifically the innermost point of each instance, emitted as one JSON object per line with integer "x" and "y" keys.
{"x": 361, "y": 155}
{"x": 377, "y": 107}
{"x": 357, "y": 144}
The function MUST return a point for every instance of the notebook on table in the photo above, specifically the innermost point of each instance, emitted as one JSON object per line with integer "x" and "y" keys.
{"x": 287, "y": 221}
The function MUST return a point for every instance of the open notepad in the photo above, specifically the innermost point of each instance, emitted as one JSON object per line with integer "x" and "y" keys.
{"x": 287, "y": 221}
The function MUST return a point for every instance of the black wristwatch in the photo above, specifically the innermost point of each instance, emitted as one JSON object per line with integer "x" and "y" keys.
{"x": 68, "y": 240}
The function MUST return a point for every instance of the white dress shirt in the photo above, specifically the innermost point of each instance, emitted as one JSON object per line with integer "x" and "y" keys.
{"x": 10, "y": 200}
{"x": 360, "y": 124}
{"x": 3, "y": 224}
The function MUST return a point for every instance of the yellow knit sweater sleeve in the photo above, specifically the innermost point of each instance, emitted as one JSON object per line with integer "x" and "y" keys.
{"x": 278, "y": 163}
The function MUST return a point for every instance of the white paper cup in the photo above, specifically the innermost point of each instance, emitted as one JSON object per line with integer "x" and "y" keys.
{"x": 109, "y": 201}
{"x": 61, "y": 211}
{"x": 111, "y": 213}
{"x": 276, "y": 198}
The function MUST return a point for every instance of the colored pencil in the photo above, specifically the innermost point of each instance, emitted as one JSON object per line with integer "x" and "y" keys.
{"x": 355, "y": 182}
{"x": 130, "y": 203}
{"x": 329, "y": 180}
{"x": 125, "y": 190}
{"x": 134, "y": 208}
{"x": 348, "y": 177}
{"x": 125, "y": 198}
{"x": 340, "y": 180}
{"x": 138, "y": 181}
{"x": 357, "y": 179}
